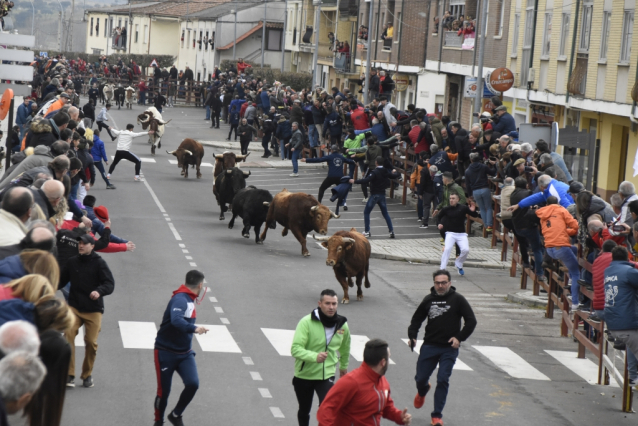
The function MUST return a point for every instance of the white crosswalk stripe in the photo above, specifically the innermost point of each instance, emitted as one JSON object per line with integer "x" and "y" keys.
{"x": 79, "y": 339}
{"x": 583, "y": 367}
{"x": 217, "y": 339}
{"x": 510, "y": 362}
{"x": 144, "y": 159}
{"x": 460, "y": 365}
{"x": 138, "y": 335}
{"x": 174, "y": 162}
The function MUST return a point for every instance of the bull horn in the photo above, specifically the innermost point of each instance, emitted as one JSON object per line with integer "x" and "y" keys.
{"x": 314, "y": 208}
{"x": 170, "y": 152}
{"x": 188, "y": 152}
{"x": 246, "y": 173}
{"x": 347, "y": 240}
{"x": 218, "y": 156}
{"x": 267, "y": 203}
{"x": 229, "y": 171}
{"x": 332, "y": 214}
{"x": 320, "y": 238}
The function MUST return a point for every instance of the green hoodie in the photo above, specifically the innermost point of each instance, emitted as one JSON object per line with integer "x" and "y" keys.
{"x": 310, "y": 340}
{"x": 449, "y": 189}
{"x": 354, "y": 143}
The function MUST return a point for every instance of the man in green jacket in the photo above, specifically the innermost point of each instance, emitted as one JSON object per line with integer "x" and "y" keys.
{"x": 318, "y": 337}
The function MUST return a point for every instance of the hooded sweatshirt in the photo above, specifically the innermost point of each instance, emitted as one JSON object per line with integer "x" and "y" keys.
{"x": 178, "y": 324}
{"x": 557, "y": 225}
{"x": 621, "y": 296}
{"x": 87, "y": 273}
{"x": 335, "y": 163}
{"x": 11, "y": 268}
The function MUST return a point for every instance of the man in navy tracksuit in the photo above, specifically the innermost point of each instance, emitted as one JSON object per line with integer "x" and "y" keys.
{"x": 335, "y": 169}
{"x": 173, "y": 350}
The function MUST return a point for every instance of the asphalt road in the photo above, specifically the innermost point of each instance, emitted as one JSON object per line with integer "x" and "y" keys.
{"x": 259, "y": 292}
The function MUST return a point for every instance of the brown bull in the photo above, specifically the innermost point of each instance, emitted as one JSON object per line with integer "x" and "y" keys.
{"x": 226, "y": 161}
{"x": 299, "y": 212}
{"x": 349, "y": 256}
{"x": 189, "y": 153}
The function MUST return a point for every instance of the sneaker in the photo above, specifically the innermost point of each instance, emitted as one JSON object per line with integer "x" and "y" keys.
{"x": 367, "y": 234}
{"x": 584, "y": 308}
{"x": 419, "y": 400}
{"x": 70, "y": 382}
{"x": 345, "y": 208}
{"x": 420, "y": 219}
{"x": 442, "y": 240}
{"x": 575, "y": 307}
{"x": 392, "y": 235}
{"x": 460, "y": 271}
{"x": 633, "y": 383}
{"x": 541, "y": 278}
{"x": 158, "y": 423}
{"x": 176, "y": 421}
{"x": 108, "y": 176}
{"x": 489, "y": 229}
{"x": 138, "y": 179}
{"x": 619, "y": 346}
{"x": 294, "y": 174}
{"x": 365, "y": 200}
{"x": 594, "y": 318}
{"x": 88, "y": 382}
{"x": 437, "y": 421}
{"x": 424, "y": 226}
{"x": 110, "y": 186}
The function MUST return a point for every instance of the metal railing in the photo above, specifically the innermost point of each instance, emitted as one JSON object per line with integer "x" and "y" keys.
{"x": 452, "y": 39}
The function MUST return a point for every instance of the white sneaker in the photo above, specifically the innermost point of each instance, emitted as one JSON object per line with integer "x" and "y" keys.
{"x": 108, "y": 176}
{"x": 138, "y": 179}
{"x": 294, "y": 174}
{"x": 365, "y": 200}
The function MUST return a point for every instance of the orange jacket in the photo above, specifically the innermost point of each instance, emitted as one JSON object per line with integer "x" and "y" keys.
{"x": 558, "y": 225}
{"x": 415, "y": 177}
{"x": 55, "y": 106}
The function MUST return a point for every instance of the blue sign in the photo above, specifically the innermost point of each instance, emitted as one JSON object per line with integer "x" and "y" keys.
{"x": 45, "y": 54}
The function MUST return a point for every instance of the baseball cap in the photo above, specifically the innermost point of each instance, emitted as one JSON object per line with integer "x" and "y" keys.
{"x": 576, "y": 187}
{"x": 101, "y": 213}
{"x": 500, "y": 108}
{"x": 65, "y": 95}
{"x": 87, "y": 239}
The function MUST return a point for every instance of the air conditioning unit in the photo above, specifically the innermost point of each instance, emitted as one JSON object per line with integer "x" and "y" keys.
{"x": 531, "y": 75}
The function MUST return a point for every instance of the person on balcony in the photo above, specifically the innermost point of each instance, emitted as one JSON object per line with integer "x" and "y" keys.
{"x": 387, "y": 35}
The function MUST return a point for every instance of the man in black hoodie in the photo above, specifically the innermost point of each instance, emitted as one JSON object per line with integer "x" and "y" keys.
{"x": 444, "y": 308}
{"x": 452, "y": 218}
{"x": 91, "y": 280}
{"x": 477, "y": 185}
{"x": 461, "y": 141}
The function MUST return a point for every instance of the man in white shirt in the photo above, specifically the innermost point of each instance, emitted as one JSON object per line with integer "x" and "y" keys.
{"x": 124, "y": 142}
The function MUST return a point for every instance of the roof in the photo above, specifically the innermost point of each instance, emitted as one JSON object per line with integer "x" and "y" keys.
{"x": 170, "y": 8}
{"x": 223, "y": 9}
{"x": 119, "y": 7}
{"x": 251, "y": 32}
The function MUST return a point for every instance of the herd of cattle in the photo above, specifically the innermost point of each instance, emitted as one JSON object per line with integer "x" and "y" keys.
{"x": 348, "y": 251}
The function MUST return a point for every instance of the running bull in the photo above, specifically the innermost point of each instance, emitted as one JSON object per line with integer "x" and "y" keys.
{"x": 151, "y": 119}
{"x": 299, "y": 212}
{"x": 227, "y": 160}
{"x": 251, "y": 204}
{"x": 227, "y": 185}
{"x": 189, "y": 153}
{"x": 349, "y": 256}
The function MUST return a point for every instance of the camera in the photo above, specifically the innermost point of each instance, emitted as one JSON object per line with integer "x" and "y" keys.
{"x": 486, "y": 119}
{"x": 617, "y": 228}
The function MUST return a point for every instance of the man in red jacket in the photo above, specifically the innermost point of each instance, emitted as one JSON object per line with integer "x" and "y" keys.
{"x": 362, "y": 397}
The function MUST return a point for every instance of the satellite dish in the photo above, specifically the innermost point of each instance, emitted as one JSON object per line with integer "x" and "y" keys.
{"x": 5, "y": 103}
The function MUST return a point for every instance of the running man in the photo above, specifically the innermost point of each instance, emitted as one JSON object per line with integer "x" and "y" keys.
{"x": 318, "y": 337}
{"x": 452, "y": 218}
{"x": 335, "y": 169}
{"x": 102, "y": 118}
{"x": 173, "y": 351}
{"x": 443, "y": 308}
{"x": 124, "y": 142}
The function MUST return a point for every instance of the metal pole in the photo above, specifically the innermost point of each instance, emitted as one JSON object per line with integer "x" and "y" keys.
{"x": 479, "y": 80}
{"x": 369, "y": 57}
{"x": 60, "y": 28}
{"x": 235, "y": 37}
{"x": 9, "y": 136}
{"x": 283, "y": 36}
{"x": 315, "y": 55}
{"x": 263, "y": 32}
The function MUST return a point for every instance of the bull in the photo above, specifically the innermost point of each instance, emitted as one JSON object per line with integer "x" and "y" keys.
{"x": 299, "y": 212}
{"x": 108, "y": 92}
{"x": 151, "y": 119}
{"x": 228, "y": 184}
{"x": 130, "y": 97}
{"x": 189, "y": 153}
{"x": 226, "y": 161}
{"x": 349, "y": 256}
{"x": 251, "y": 204}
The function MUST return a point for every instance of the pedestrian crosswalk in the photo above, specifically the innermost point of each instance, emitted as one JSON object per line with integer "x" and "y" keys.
{"x": 174, "y": 162}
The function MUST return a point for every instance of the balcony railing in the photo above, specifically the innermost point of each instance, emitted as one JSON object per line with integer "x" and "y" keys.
{"x": 452, "y": 39}
{"x": 342, "y": 62}
{"x": 119, "y": 42}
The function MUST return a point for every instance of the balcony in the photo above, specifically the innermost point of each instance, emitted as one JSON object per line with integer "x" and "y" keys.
{"x": 451, "y": 39}
{"x": 342, "y": 63}
{"x": 119, "y": 42}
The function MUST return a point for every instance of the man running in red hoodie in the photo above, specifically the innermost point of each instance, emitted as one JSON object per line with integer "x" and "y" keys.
{"x": 173, "y": 351}
{"x": 362, "y": 397}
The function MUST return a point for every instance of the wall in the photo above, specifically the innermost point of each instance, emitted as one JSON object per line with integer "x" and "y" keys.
{"x": 199, "y": 59}
{"x": 432, "y": 85}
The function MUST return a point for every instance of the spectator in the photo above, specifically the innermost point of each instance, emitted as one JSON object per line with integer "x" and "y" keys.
{"x": 548, "y": 187}
{"x": 38, "y": 238}
{"x": 29, "y": 262}
{"x": 18, "y": 336}
{"x": 245, "y": 131}
{"x": 460, "y": 144}
{"x": 21, "y": 375}
{"x": 542, "y": 147}
{"x": 16, "y": 210}
{"x": 506, "y": 123}
{"x": 429, "y": 192}
{"x": 547, "y": 166}
{"x": 442, "y": 159}
{"x": 296, "y": 146}
{"x": 627, "y": 191}
{"x": 477, "y": 184}
{"x": 284, "y": 133}
{"x": 333, "y": 125}
{"x": 335, "y": 169}
{"x": 99, "y": 153}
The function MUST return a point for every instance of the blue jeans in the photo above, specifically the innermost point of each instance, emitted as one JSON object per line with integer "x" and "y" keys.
{"x": 166, "y": 363}
{"x": 100, "y": 166}
{"x": 534, "y": 238}
{"x": 283, "y": 151}
{"x": 483, "y": 198}
{"x": 142, "y": 98}
{"x": 295, "y": 156}
{"x": 313, "y": 136}
{"x": 207, "y": 112}
{"x": 632, "y": 362}
{"x": 74, "y": 191}
{"x": 372, "y": 201}
{"x": 429, "y": 357}
{"x": 568, "y": 257}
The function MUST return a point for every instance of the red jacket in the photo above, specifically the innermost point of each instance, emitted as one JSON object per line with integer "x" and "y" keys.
{"x": 600, "y": 239}
{"x": 360, "y": 119}
{"x": 598, "y": 279}
{"x": 360, "y": 398}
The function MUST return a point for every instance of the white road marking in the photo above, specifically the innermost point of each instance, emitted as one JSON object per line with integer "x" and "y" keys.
{"x": 138, "y": 335}
{"x": 193, "y": 264}
{"x": 213, "y": 299}
{"x": 79, "y": 339}
{"x": 459, "y": 365}
{"x": 219, "y": 310}
{"x": 174, "y": 231}
{"x": 184, "y": 245}
{"x": 247, "y": 360}
{"x": 174, "y": 162}
{"x": 357, "y": 345}
{"x": 144, "y": 159}
{"x": 217, "y": 339}
{"x": 581, "y": 366}
{"x": 256, "y": 376}
{"x": 224, "y": 321}
{"x": 189, "y": 257}
{"x": 168, "y": 219}
{"x": 510, "y": 362}
{"x": 280, "y": 339}
{"x": 265, "y": 393}
{"x": 276, "y": 412}
{"x": 165, "y": 214}
{"x": 184, "y": 251}
{"x": 157, "y": 201}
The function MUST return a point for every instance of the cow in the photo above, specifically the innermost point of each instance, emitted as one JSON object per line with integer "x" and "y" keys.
{"x": 119, "y": 96}
{"x": 226, "y": 161}
{"x": 228, "y": 184}
{"x": 299, "y": 212}
{"x": 189, "y": 153}
{"x": 349, "y": 256}
{"x": 251, "y": 204}
{"x": 108, "y": 92}
{"x": 151, "y": 119}
{"x": 130, "y": 97}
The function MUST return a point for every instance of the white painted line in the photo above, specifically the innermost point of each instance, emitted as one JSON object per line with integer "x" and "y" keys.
{"x": 157, "y": 201}
{"x": 224, "y": 321}
{"x": 510, "y": 362}
{"x": 193, "y": 264}
{"x": 280, "y": 339}
{"x": 256, "y": 376}
{"x": 174, "y": 231}
{"x": 189, "y": 257}
{"x": 219, "y": 310}
{"x": 265, "y": 393}
{"x": 174, "y": 162}
{"x": 184, "y": 251}
{"x": 168, "y": 219}
{"x": 138, "y": 335}
{"x": 213, "y": 299}
{"x": 459, "y": 365}
{"x": 276, "y": 412}
{"x": 357, "y": 345}
{"x": 581, "y": 366}
{"x": 247, "y": 360}
{"x": 218, "y": 339}
{"x": 184, "y": 245}
{"x": 79, "y": 339}
{"x": 144, "y": 159}
{"x": 165, "y": 214}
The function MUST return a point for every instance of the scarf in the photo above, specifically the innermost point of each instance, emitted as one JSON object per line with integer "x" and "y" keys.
{"x": 326, "y": 320}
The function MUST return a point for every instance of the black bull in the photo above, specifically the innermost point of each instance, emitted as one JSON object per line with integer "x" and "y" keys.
{"x": 251, "y": 204}
{"x": 227, "y": 184}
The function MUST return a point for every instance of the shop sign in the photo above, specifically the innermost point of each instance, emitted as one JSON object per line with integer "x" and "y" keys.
{"x": 470, "y": 88}
{"x": 401, "y": 82}
{"x": 501, "y": 80}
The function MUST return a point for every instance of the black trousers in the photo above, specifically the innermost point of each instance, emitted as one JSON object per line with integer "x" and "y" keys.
{"x": 126, "y": 155}
{"x": 101, "y": 125}
{"x": 327, "y": 183}
{"x": 214, "y": 118}
{"x": 305, "y": 390}
{"x": 522, "y": 241}
{"x": 244, "y": 146}
{"x": 233, "y": 126}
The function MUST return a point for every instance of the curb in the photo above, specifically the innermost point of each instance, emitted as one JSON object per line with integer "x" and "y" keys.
{"x": 433, "y": 262}
{"x": 528, "y": 299}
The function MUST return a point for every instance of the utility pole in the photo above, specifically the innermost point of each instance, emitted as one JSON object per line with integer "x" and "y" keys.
{"x": 32, "y": 17}
{"x": 369, "y": 58}
{"x": 315, "y": 55}
{"x": 263, "y": 33}
{"x": 283, "y": 36}
{"x": 479, "y": 80}
{"x": 235, "y": 37}
{"x": 60, "y": 28}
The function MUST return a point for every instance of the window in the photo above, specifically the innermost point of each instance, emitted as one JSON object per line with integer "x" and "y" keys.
{"x": 91, "y": 27}
{"x": 457, "y": 7}
{"x": 145, "y": 34}
{"x": 627, "y": 33}
{"x": 97, "y": 27}
{"x": 547, "y": 35}
{"x": 273, "y": 39}
{"x": 500, "y": 17}
{"x": 585, "y": 29}
{"x": 206, "y": 45}
{"x": 564, "y": 35}
{"x": 119, "y": 22}
{"x": 604, "y": 37}
{"x": 212, "y": 41}
{"x": 188, "y": 39}
{"x": 517, "y": 29}
{"x": 201, "y": 34}
{"x": 137, "y": 33}
{"x": 110, "y": 26}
